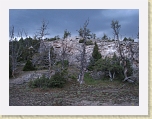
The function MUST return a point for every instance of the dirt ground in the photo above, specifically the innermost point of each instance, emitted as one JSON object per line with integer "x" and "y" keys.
{"x": 73, "y": 94}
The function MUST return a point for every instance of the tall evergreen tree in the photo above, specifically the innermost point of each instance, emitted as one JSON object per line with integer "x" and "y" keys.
{"x": 96, "y": 54}
{"x": 28, "y": 66}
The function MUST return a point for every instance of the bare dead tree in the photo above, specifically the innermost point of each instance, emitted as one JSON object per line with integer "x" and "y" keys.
{"x": 26, "y": 36}
{"x": 35, "y": 37}
{"x": 42, "y": 32}
{"x": 132, "y": 51}
{"x": 123, "y": 60}
{"x": 15, "y": 51}
{"x": 26, "y": 33}
{"x": 63, "y": 53}
{"x": 93, "y": 35}
{"x": 51, "y": 58}
{"x": 20, "y": 34}
{"x": 64, "y": 47}
{"x": 49, "y": 62}
{"x": 116, "y": 28}
{"x": 85, "y": 34}
{"x": 12, "y": 50}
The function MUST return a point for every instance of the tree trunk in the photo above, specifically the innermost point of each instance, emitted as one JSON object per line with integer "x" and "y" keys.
{"x": 83, "y": 61}
{"x": 81, "y": 77}
{"x": 84, "y": 33}
{"x": 49, "y": 64}
{"x": 13, "y": 73}
{"x": 113, "y": 75}
{"x": 110, "y": 75}
{"x": 125, "y": 72}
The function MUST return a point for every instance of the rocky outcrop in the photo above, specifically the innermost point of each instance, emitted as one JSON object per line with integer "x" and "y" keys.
{"x": 26, "y": 77}
{"x": 107, "y": 49}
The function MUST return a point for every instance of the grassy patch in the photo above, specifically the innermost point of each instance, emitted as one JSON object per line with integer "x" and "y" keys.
{"x": 90, "y": 81}
{"x": 72, "y": 76}
{"x": 104, "y": 82}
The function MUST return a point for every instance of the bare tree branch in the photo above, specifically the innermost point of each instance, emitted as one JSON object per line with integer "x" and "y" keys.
{"x": 123, "y": 60}
{"x": 85, "y": 34}
{"x": 15, "y": 51}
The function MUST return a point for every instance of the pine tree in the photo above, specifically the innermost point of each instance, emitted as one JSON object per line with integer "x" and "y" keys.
{"x": 28, "y": 66}
{"x": 96, "y": 54}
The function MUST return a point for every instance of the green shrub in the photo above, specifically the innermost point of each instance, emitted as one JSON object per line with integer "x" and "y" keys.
{"x": 28, "y": 66}
{"x": 57, "y": 80}
{"x": 41, "y": 82}
{"x": 72, "y": 76}
{"x": 90, "y": 67}
{"x": 113, "y": 65}
{"x": 90, "y": 81}
{"x": 81, "y": 40}
{"x": 30, "y": 84}
{"x": 66, "y": 63}
{"x": 130, "y": 70}
{"x": 96, "y": 54}
{"x": 89, "y": 42}
{"x": 128, "y": 39}
{"x": 52, "y": 39}
{"x": 91, "y": 64}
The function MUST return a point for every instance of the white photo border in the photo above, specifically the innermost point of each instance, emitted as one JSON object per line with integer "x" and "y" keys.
{"x": 142, "y": 109}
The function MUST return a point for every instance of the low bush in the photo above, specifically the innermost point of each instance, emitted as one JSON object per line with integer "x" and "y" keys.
{"x": 90, "y": 81}
{"x": 89, "y": 42}
{"x": 91, "y": 64}
{"x": 57, "y": 80}
{"x": 66, "y": 63}
{"x": 81, "y": 40}
{"x": 72, "y": 76}
{"x": 29, "y": 66}
{"x": 41, "y": 82}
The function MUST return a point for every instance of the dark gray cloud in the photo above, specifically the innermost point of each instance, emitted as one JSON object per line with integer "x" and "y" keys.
{"x": 73, "y": 19}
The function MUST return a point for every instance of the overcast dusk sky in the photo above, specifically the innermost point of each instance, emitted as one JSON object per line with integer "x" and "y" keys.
{"x": 72, "y": 19}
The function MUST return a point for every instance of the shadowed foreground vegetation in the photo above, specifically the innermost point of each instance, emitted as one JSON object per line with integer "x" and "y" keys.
{"x": 92, "y": 93}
